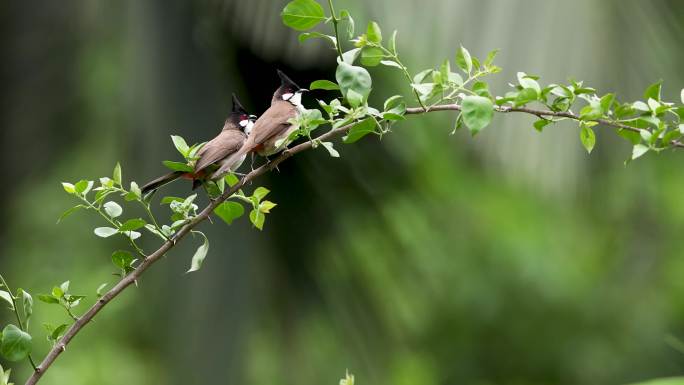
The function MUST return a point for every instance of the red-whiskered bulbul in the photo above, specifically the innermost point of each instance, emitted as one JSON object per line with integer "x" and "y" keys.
{"x": 271, "y": 130}
{"x": 215, "y": 153}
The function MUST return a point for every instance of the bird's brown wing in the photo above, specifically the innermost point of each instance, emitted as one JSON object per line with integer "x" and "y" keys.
{"x": 222, "y": 146}
{"x": 271, "y": 123}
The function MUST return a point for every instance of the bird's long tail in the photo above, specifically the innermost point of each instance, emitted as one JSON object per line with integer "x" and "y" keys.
{"x": 153, "y": 185}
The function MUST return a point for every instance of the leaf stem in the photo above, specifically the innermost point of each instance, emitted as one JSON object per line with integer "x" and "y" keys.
{"x": 337, "y": 34}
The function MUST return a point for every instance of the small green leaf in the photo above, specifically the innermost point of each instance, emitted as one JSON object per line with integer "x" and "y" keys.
{"x": 345, "y": 15}
{"x": 490, "y": 58}
{"x": 257, "y": 218}
{"x": 540, "y": 124}
{"x": 168, "y": 200}
{"x": 353, "y": 78}
{"x": 68, "y": 187}
{"x": 587, "y": 137}
{"x": 607, "y": 102}
{"x": 132, "y": 224}
{"x": 200, "y": 254}
{"x": 112, "y": 209}
{"x": 324, "y": 85}
{"x": 373, "y": 32}
{"x": 83, "y": 186}
{"x": 98, "y": 292}
{"x": 229, "y": 211}
{"x": 7, "y": 297}
{"x": 477, "y": 113}
{"x": 360, "y": 130}
{"x": 27, "y": 304}
{"x": 639, "y": 150}
{"x": 177, "y": 166}
{"x": 134, "y": 193}
{"x": 116, "y": 175}
{"x": 260, "y": 193}
{"x": 58, "y": 332}
{"x": 231, "y": 179}
{"x": 122, "y": 259}
{"x": 105, "y": 232}
{"x": 392, "y": 44}
{"x": 371, "y": 56}
{"x": 266, "y": 206}
{"x": 16, "y": 344}
{"x": 69, "y": 212}
{"x": 653, "y": 91}
{"x": 525, "y": 96}
{"x": 331, "y": 150}
{"x": 527, "y": 81}
{"x": 180, "y": 145}
{"x": 350, "y": 56}
{"x": 391, "y": 63}
{"x": 464, "y": 60}
{"x": 47, "y": 298}
{"x": 302, "y": 15}
{"x": 317, "y": 35}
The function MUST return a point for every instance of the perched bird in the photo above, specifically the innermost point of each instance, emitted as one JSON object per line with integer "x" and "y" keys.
{"x": 271, "y": 130}
{"x": 216, "y": 153}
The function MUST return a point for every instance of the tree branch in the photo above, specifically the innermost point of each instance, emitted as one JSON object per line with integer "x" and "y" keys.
{"x": 81, "y": 322}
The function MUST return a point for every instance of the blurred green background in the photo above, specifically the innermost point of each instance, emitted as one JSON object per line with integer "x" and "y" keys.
{"x": 421, "y": 259}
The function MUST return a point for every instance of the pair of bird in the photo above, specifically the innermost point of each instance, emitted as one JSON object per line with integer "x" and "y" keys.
{"x": 242, "y": 134}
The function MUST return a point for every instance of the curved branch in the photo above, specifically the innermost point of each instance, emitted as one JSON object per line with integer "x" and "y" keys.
{"x": 81, "y": 322}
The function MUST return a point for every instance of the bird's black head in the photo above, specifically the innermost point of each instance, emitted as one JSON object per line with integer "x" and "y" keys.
{"x": 239, "y": 118}
{"x": 288, "y": 90}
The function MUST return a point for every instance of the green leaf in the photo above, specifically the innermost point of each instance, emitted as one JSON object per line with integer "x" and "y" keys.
{"x": 302, "y": 15}
{"x": 105, "y": 232}
{"x": 392, "y": 44}
{"x": 134, "y": 193}
{"x": 112, "y": 209}
{"x": 653, "y": 91}
{"x": 373, "y": 32}
{"x": 231, "y": 179}
{"x": 122, "y": 259}
{"x": 463, "y": 60}
{"x": 345, "y": 15}
{"x": 83, "y": 186}
{"x": 540, "y": 124}
{"x": 371, "y": 56}
{"x": 132, "y": 224}
{"x": 257, "y": 218}
{"x": 317, "y": 35}
{"x": 47, "y": 298}
{"x": 7, "y": 297}
{"x": 353, "y": 78}
{"x": 260, "y": 193}
{"x": 180, "y": 145}
{"x": 68, "y": 187}
{"x": 527, "y": 81}
{"x": 58, "y": 332}
{"x": 394, "y": 101}
{"x": 324, "y": 85}
{"x": 16, "y": 343}
{"x": 64, "y": 287}
{"x": 490, "y": 58}
{"x": 98, "y": 292}
{"x": 229, "y": 211}
{"x": 360, "y": 130}
{"x": 5, "y": 375}
{"x": 587, "y": 137}
{"x": 482, "y": 89}
{"x": 177, "y": 166}
{"x": 116, "y": 175}
{"x": 525, "y": 96}
{"x": 266, "y": 206}
{"x": 168, "y": 200}
{"x": 682, "y": 95}
{"x": 607, "y": 102}
{"x": 27, "y": 304}
{"x": 477, "y": 113}
{"x": 200, "y": 254}
{"x": 639, "y": 150}
{"x": 331, "y": 150}
{"x": 350, "y": 56}
{"x": 391, "y": 63}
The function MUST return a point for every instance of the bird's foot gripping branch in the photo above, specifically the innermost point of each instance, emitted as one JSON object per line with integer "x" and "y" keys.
{"x": 650, "y": 125}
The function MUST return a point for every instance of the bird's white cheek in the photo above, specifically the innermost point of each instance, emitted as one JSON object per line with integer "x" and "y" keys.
{"x": 296, "y": 99}
{"x": 248, "y": 127}
{"x": 244, "y": 123}
{"x": 287, "y": 96}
